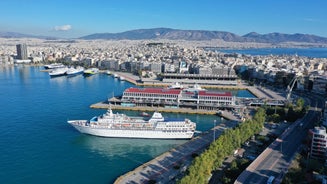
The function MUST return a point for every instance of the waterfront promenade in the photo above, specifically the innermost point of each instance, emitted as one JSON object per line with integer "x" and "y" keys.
{"x": 171, "y": 165}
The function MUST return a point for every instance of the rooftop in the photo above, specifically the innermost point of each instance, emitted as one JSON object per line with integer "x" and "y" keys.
{"x": 154, "y": 90}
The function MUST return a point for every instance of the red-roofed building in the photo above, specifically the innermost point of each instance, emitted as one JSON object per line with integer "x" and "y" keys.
{"x": 216, "y": 98}
{"x": 151, "y": 95}
{"x": 202, "y": 99}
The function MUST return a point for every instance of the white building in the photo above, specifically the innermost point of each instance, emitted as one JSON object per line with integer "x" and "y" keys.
{"x": 318, "y": 143}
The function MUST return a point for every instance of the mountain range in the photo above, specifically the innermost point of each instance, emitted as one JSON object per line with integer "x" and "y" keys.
{"x": 177, "y": 34}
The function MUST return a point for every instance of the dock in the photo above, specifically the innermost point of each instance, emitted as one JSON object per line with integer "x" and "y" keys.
{"x": 225, "y": 114}
{"x": 172, "y": 165}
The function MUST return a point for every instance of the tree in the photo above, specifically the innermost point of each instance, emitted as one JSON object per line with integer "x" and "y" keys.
{"x": 202, "y": 166}
{"x": 300, "y": 103}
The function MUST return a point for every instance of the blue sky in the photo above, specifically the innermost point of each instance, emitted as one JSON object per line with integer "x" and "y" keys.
{"x": 75, "y": 18}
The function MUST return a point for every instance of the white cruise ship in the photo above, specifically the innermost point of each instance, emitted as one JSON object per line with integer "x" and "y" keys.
{"x": 120, "y": 125}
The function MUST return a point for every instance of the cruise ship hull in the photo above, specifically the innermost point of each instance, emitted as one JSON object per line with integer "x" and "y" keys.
{"x": 123, "y": 133}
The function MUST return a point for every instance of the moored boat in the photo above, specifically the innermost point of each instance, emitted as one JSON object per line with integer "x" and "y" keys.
{"x": 123, "y": 126}
{"x": 195, "y": 88}
{"x": 75, "y": 71}
{"x": 58, "y": 72}
{"x": 176, "y": 85}
{"x": 91, "y": 71}
{"x": 144, "y": 114}
{"x": 54, "y": 65}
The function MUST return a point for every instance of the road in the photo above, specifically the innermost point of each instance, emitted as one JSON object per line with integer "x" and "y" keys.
{"x": 276, "y": 159}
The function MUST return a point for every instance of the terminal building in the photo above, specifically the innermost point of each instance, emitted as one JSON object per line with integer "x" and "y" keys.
{"x": 175, "y": 98}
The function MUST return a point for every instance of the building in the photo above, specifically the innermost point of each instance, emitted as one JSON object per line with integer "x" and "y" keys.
{"x": 319, "y": 84}
{"x": 324, "y": 118}
{"x": 22, "y": 52}
{"x": 318, "y": 143}
{"x": 203, "y": 79}
{"x": 156, "y": 67}
{"x": 174, "y": 98}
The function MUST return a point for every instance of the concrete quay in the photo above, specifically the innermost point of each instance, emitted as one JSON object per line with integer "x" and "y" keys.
{"x": 225, "y": 114}
{"x": 171, "y": 165}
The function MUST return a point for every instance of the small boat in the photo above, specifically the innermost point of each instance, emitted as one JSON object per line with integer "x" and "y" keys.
{"x": 75, "y": 71}
{"x": 122, "y": 78}
{"x": 144, "y": 114}
{"x": 176, "y": 85}
{"x": 116, "y": 76}
{"x": 108, "y": 72}
{"x": 195, "y": 88}
{"x": 91, "y": 71}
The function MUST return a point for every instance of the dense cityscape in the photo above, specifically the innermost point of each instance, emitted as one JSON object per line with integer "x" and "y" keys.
{"x": 166, "y": 57}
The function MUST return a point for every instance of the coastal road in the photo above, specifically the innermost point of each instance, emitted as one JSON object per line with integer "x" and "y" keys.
{"x": 275, "y": 160}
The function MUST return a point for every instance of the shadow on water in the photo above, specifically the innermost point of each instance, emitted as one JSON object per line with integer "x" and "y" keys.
{"x": 112, "y": 147}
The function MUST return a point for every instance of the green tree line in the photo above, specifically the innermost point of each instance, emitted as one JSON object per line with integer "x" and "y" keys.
{"x": 211, "y": 159}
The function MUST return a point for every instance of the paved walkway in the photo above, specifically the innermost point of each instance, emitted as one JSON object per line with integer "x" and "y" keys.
{"x": 170, "y": 165}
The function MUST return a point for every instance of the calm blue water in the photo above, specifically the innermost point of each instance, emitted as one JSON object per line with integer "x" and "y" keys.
{"x": 308, "y": 52}
{"x": 38, "y": 146}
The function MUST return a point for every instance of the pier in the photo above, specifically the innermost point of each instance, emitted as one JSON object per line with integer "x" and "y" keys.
{"x": 225, "y": 114}
{"x": 172, "y": 165}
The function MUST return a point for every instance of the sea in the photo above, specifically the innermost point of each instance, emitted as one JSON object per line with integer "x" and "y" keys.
{"x": 308, "y": 52}
{"x": 39, "y": 146}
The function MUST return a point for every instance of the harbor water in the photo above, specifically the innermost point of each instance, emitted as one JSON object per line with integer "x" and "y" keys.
{"x": 38, "y": 146}
{"x": 308, "y": 52}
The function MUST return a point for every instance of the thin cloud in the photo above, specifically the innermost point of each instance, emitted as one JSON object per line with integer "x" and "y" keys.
{"x": 311, "y": 20}
{"x": 63, "y": 28}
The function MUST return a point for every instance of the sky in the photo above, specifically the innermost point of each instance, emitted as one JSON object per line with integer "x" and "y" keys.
{"x": 76, "y": 18}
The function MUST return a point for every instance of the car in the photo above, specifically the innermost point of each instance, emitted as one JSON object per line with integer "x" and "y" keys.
{"x": 270, "y": 179}
{"x": 250, "y": 157}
